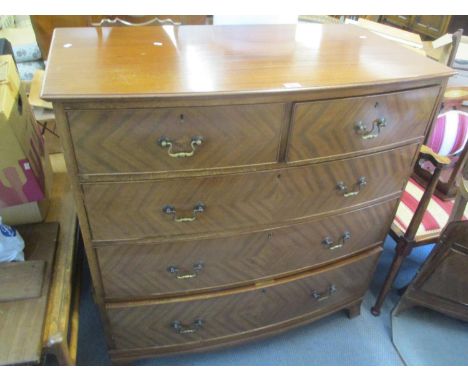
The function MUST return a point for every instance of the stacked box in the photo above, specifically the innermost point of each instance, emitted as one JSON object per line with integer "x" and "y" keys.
{"x": 24, "y": 166}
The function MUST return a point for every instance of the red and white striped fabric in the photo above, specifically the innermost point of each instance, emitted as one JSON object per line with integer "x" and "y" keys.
{"x": 435, "y": 218}
{"x": 450, "y": 133}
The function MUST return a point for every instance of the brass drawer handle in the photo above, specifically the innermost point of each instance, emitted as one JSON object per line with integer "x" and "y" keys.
{"x": 181, "y": 328}
{"x": 359, "y": 185}
{"x": 197, "y": 267}
{"x": 328, "y": 242}
{"x": 320, "y": 296}
{"x": 194, "y": 142}
{"x": 170, "y": 210}
{"x": 370, "y": 133}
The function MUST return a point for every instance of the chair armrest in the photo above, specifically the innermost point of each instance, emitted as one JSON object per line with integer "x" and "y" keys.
{"x": 439, "y": 161}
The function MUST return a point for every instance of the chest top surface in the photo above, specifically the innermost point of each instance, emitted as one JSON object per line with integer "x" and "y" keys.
{"x": 207, "y": 59}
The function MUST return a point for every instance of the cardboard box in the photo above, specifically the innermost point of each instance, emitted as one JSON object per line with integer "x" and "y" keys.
{"x": 44, "y": 114}
{"x": 25, "y": 172}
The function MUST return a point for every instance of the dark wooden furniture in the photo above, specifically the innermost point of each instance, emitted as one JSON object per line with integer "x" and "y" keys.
{"x": 456, "y": 39}
{"x": 441, "y": 284}
{"x": 232, "y": 182}
{"x": 432, "y": 26}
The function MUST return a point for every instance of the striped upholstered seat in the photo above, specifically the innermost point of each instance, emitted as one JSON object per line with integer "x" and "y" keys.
{"x": 448, "y": 138}
{"x": 434, "y": 220}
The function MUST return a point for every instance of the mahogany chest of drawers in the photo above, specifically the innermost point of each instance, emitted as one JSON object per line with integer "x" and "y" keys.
{"x": 233, "y": 182}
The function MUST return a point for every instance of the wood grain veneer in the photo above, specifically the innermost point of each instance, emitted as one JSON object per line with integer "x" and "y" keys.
{"x": 238, "y": 313}
{"x": 123, "y": 141}
{"x": 237, "y": 201}
{"x": 143, "y": 271}
{"x": 330, "y": 128}
{"x": 277, "y": 106}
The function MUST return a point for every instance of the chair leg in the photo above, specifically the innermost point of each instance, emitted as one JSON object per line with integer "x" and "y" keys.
{"x": 403, "y": 249}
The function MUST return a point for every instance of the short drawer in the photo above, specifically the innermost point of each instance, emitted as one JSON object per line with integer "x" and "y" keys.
{"x": 172, "y": 139}
{"x": 331, "y": 128}
{"x": 155, "y": 270}
{"x": 248, "y": 312}
{"x": 203, "y": 205}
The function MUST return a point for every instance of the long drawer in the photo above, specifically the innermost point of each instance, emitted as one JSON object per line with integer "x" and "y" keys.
{"x": 156, "y": 270}
{"x": 323, "y": 129}
{"x": 199, "y": 321}
{"x": 172, "y": 139}
{"x": 196, "y": 205}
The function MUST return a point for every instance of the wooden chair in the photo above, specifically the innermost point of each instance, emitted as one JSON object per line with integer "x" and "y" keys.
{"x": 456, "y": 38}
{"x": 449, "y": 138}
{"x": 445, "y": 48}
{"x": 441, "y": 284}
{"x": 419, "y": 219}
{"x": 455, "y": 94}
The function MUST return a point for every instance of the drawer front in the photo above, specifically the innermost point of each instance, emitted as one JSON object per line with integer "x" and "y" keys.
{"x": 171, "y": 139}
{"x": 199, "y": 205}
{"x": 145, "y": 271}
{"x": 204, "y": 319}
{"x": 349, "y": 125}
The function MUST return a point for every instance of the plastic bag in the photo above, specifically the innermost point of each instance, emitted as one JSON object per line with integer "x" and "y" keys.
{"x": 11, "y": 244}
